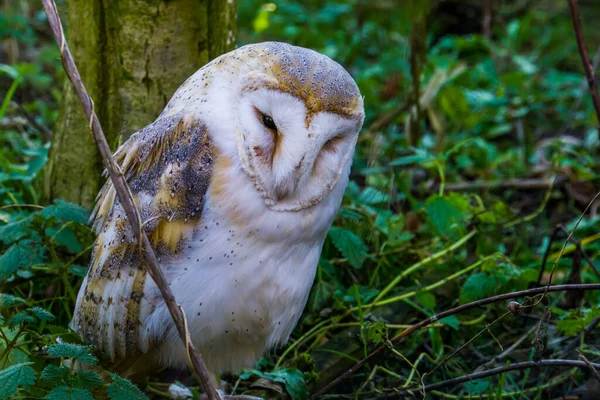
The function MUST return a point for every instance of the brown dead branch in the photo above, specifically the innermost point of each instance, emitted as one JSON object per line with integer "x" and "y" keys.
{"x": 124, "y": 195}
{"x": 491, "y": 372}
{"x": 513, "y": 295}
{"x": 585, "y": 59}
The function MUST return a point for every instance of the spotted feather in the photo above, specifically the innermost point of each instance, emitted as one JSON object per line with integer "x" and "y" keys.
{"x": 168, "y": 166}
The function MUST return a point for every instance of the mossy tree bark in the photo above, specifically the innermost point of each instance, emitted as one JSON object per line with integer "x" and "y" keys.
{"x": 132, "y": 55}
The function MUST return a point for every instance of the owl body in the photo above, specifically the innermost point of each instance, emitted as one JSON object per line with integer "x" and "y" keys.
{"x": 237, "y": 183}
{"x": 253, "y": 282}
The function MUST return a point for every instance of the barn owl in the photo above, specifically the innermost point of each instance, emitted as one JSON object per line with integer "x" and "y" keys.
{"x": 237, "y": 183}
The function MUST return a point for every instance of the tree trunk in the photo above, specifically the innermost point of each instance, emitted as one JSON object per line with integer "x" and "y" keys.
{"x": 132, "y": 55}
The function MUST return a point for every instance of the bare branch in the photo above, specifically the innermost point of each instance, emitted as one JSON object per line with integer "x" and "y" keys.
{"x": 585, "y": 59}
{"x": 452, "y": 311}
{"x": 124, "y": 195}
{"x": 494, "y": 371}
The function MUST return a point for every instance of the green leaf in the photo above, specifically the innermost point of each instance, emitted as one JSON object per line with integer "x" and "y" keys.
{"x": 477, "y": 387}
{"x": 427, "y": 300}
{"x": 573, "y": 322}
{"x": 55, "y": 373}
{"x": 65, "y": 237}
{"x": 122, "y": 389}
{"x": 8, "y": 300}
{"x": 66, "y": 211}
{"x": 14, "y": 231}
{"x": 448, "y": 213}
{"x": 22, "y": 254}
{"x": 69, "y": 393}
{"x": 372, "y": 196}
{"x": 88, "y": 379}
{"x": 78, "y": 270}
{"x": 22, "y": 317}
{"x": 478, "y": 286}
{"x": 452, "y": 321}
{"x": 321, "y": 292}
{"x": 377, "y": 332}
{"x": 40, "y": 313}
{"x": 70, "y": 350}
{"x": 14, "y": 356}
{"x": 30, "y": 316}
{"x": 13, "y": 377}
{"x": 351, "y": 246}
{"x": 292, "y": 379}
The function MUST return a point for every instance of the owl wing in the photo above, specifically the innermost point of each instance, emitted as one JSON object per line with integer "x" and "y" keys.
{"x": 168, "y": 166}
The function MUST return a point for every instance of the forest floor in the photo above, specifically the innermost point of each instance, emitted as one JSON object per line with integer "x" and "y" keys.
{"x": 478, "y": 158}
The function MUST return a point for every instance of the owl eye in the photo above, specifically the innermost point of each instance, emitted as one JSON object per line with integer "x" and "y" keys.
{"x": 268, "y": 122}
{"x": 331, "y": 144}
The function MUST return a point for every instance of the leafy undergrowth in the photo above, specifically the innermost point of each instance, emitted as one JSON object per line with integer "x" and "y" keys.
{"x": 456, "y": 195}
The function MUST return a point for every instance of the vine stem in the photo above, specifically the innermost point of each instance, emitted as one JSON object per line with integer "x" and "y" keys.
{"x": 452, "y": 311}
{"x": 126, "y": 199}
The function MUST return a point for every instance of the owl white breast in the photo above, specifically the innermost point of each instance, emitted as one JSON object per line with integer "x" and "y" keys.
{"x": 238, "y": 182}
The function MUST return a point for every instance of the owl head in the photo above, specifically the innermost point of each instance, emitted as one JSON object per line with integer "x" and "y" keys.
{"x": 288, "y": 115}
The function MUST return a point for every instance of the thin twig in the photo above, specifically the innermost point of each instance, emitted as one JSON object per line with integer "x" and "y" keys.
{"x": 461, "y": 348}
{"x": 521, "y": 184}
{"x": 508, "y": 351}
{"x": 452, "y": 311}
{"x": 576, "y": 243}
{"x": 126, "y": 199}
{"x": 491, "y": 372}
{"x": 589, "y": 364}
{"x": 585, "y": 59}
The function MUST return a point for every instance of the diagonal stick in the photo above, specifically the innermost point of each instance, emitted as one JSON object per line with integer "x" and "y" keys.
{"x": 124, "y": 195}
{"x": 585, "y": 59}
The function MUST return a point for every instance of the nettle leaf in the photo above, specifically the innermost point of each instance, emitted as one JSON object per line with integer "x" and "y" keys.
{"x": 88, "y": 380}
{"x": 22, "y": 317}
{"x": 70, "y": 350}
{"x": 15, "y": 376}
{"x": 24, "y": 253}
{"x": 55, "y": 373}
{"x": 64, "y": 236}
{"x": 40, "y": 313}
{"x": 478, "y": 286}
{"x": 30, "y": 316}
{"x": 8, "y": 300}
{"x": 292, "y": 379}
{"x": 14, "y": 231}
{"x": 66, "y": 211}
{"x": 351, "y": 246}
{"x": 69, "y": 393}
{"x": 122, "y": 389}
{"x": 448, "y": 213}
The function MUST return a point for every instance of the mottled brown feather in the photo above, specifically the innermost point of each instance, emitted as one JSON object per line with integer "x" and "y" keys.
{"x": 168, "y": 166}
